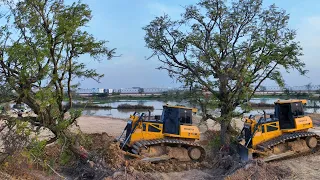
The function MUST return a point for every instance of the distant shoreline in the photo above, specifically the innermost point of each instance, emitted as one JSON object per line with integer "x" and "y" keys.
{"x": 121, "y": 106}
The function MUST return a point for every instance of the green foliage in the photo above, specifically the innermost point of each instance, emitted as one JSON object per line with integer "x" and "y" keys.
{"x": 40, "y": 61}
{"x": 103, "y": 95}
{"x": 136, "y": 107}
{"x": 21, "y": 128}
{"x": 65, "y": 157}
{"x": 6, "y": 93}
{"x": 227, "y": 47}
{"x": 215, "y": 142}
{"x": 115, "y": 93}
{"x": 37, "y": 149}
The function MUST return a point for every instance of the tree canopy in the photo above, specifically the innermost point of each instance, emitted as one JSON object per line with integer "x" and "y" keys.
{"x": 228, "y": 47}
{"x": 39, "y": 49}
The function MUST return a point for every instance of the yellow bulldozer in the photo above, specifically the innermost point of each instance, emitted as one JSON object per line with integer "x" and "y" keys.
{"x": 172, "y": 135}
{"x": 284, "y": 133}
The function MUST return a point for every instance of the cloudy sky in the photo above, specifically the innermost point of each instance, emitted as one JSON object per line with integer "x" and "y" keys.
{"x": 120, "y": 22}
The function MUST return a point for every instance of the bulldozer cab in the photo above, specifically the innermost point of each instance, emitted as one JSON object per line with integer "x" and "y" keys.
{"x": 174, "y": 116}
{"x": 175, "y": 121}
{"x": 287, "y": 110}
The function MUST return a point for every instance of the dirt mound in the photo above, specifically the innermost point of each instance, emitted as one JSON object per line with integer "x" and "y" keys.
{"x": 168, "y": 166}
{"x": 259, "y": 170}
{"x": 103, "y": 148}
{"x": 110, "y": 161}
{"x": 102, "y": 145}
{"x": 122, "y": 175}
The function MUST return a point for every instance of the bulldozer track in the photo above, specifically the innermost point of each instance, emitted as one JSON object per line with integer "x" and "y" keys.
{"x": 139, "y": 145}
{"x": 281, "y": 139}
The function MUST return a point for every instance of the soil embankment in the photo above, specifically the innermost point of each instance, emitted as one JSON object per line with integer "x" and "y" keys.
{"x": 306, "y": 167}
{"x": 104, "y": 129}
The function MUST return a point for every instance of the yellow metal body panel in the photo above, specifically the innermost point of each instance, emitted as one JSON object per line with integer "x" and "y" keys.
{"x": 143, "y": 132}
{"x": 187, "y": 132}
{"x": 266, "y": 132}
{"x": 153, "y": 130}
{"x": 302, "y": 123}
{"x": 271, "y": 130}
{"x": 194, "y": 110}
{"x": 134, "y": 118}
{"x": 303, "y": 101}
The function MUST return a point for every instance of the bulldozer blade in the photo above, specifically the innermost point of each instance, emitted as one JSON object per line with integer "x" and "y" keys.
{"x": 278, "y": 156}
{"x": 244, "y": 153}
{"x": 155, "y": 159}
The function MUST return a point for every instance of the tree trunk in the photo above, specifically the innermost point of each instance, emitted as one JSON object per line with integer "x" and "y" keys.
{"x": 74, "y": 145}
{"x": 226, "y": 110}
{"x": 223, "y": 132}
{"x": 225, "y": 127}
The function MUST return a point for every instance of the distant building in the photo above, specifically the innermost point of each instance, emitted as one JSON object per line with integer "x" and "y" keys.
{"x": 110, "y": 91}
{"x": 100, "y": 90}
{"x": 129, "y": 91}
{"x": 154, "y": 90}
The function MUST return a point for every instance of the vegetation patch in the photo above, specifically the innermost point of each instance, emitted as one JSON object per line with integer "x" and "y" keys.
{"x": 138, "y": 106}
{"x": 91, "y": 106}
{"x": 261, "y": 105}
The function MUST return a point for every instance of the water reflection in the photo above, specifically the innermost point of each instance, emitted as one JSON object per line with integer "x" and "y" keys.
{"x": 158, "y": 107}
{"x": 117, "y": 113}
{"x": 141, "y": 103}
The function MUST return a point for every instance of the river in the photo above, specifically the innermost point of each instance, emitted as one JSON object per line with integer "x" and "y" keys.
{"x": 117, "y": 113}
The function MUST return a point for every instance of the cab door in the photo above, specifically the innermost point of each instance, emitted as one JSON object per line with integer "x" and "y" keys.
{"x": 271, "y": 130}
{"x": 266, "y": 132}
{"x": 171, "y": 123}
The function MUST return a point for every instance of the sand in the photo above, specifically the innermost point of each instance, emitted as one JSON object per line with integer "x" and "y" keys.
{"x": 99, "y": 124}
{"x": 115, "y": 126}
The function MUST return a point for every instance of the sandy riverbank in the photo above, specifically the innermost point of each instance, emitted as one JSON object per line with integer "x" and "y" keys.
{"x": 114, "y": 126}
{"x": 99, "y": 124}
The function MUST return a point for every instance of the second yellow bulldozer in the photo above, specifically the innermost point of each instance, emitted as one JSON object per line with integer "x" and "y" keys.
{"x": 284, "y": 133}
{"x": 170, "y": 136}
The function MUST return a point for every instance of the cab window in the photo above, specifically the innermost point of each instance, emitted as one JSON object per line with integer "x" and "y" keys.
{"x": 154, "y": 128}
{"x": 297, "y": 109}
{"x": 185, "y": 116}
{"x": 272, "y": 127}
